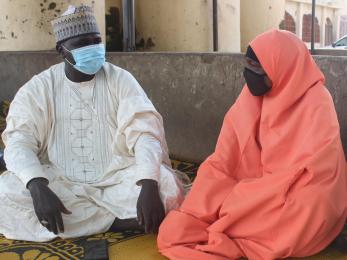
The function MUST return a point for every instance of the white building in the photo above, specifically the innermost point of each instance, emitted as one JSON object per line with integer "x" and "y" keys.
{"x": 330, "y": 20}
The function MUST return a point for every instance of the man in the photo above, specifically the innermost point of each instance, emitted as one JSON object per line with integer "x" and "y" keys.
{"x": 276, "y": 185}
{"x": 85, "y": 147}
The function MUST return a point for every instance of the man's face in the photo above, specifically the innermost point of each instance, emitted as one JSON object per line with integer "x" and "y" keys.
{"x": 81, "y": 41}
{"x": 78, "y": 42}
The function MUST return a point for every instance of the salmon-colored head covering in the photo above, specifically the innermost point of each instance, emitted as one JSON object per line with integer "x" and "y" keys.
{"x": 283, "y": 116}
{"x": 288, "y": 63}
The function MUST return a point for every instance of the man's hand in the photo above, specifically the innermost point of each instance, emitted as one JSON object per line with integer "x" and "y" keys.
{"x": 150, "y": 209}
{"x": 48, "y": 207}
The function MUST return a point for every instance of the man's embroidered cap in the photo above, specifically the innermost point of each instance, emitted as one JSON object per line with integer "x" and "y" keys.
{"x": 74, "y": 22}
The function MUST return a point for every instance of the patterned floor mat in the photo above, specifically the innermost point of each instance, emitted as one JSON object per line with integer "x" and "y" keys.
{"x": 69, "y": 249}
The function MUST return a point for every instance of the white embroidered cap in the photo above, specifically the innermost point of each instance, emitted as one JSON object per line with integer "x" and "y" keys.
{"x": 75, "y": 21}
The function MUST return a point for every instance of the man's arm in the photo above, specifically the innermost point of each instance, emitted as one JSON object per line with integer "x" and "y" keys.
{"x": 140, "y": 133}
{"x": 150, "y": 209}
{"x": 148, "y": 155}
{"x": 25, "y": 134}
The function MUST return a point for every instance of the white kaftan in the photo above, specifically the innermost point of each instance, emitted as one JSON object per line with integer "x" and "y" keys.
{"x": 93, "y": 141}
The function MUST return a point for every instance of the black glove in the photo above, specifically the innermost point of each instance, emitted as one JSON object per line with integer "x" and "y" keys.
{"x": 150, "y": 209}
{"x": 48, "y": 207}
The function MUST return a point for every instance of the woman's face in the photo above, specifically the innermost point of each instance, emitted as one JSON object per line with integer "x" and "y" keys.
{"x": 258, "y": 69}
{"x": 257, "y": 81}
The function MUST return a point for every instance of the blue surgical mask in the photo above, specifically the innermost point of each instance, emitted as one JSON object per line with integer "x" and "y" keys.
{"x": 89, "y": 59}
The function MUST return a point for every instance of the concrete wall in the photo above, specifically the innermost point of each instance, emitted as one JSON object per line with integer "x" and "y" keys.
{"x": 181, "y": 25}
{"x": 258, "y": 17}
{"x": 191, "y": 91}
{"x": 229, "y": 26}
{"x": 162, "y": 25}
{"x": 25, "y": 24}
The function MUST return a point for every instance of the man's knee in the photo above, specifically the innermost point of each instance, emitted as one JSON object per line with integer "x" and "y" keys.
{"x": 12, "y": 187}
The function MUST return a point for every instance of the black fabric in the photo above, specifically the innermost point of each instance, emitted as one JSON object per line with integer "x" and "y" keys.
{"x": 120, "y": 225}
{"x": 251, "y": 54}
{"x": 340, "y": 243}
{"x": 96, "y": 250}
{"x": 256, "y": 82}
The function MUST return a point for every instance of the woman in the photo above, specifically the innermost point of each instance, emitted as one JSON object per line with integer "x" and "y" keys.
{"x": 276, "y": 184}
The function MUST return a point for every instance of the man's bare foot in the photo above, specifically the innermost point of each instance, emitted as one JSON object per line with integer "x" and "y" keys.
{"x": 125, "y": 224}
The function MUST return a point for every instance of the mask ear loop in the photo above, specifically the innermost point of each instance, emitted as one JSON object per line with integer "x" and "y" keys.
{"x": 71, "y": 55}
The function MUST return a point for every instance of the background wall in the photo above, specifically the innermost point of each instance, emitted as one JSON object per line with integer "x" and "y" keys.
{"x": 178, "y": 25}
{"x": 191, "y": 91}
{"x": 25, "y": 24}
{"x": 229, "y": 12}
{"x": 161, "y": 25}
{"x": 258, "y": 17}
{"x": 181, "y": 25}
{"x": 168, "y": 25}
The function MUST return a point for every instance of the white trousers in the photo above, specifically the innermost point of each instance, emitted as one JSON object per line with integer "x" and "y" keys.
{"x": 93, "y": 207}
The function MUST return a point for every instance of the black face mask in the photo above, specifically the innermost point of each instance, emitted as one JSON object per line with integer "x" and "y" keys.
{"x": 256, "y": 83}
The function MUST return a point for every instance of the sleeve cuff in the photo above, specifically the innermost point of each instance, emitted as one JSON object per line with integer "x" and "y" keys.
{"x": 32, "y": 172}
{"x": 147, "y": 172}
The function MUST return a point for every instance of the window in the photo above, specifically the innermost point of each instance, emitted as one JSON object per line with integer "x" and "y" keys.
{"x": 288, "y": 23}
{"x": 306, "y": 29}
{"x": 328, "y": 32}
